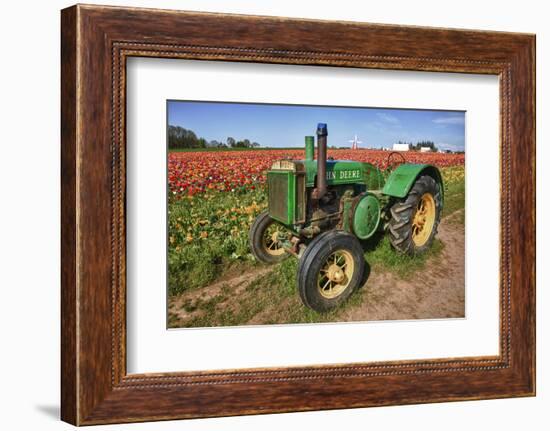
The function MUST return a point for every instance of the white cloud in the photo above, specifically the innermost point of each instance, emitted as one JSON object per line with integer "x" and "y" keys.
{"x": 455, "y": 119}
{"x": 375, "y": 125}
{"x": 388, "y": 118}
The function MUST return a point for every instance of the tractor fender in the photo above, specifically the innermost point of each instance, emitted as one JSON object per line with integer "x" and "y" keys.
{"x": 403, "y": 177}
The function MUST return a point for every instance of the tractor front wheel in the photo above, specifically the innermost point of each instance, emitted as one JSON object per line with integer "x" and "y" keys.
{"x": 330, "y": 269}
{"x": 414, "y": 220}
{"x": 262, "y": 239}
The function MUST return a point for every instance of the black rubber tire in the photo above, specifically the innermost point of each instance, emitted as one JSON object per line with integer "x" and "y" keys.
{"x": 402, "y": 214}
{"x": 255, "y": 239}
{"x": 312, "y": 261}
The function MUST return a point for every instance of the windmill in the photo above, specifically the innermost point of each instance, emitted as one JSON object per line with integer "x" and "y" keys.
{"x": 354, "y": 143}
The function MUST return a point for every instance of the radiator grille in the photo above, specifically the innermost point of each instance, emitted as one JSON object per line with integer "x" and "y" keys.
{"x": 300, "y": 198}
{"x": 277, "y": 185}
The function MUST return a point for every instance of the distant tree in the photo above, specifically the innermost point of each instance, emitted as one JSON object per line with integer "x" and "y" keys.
{"x": 425, "y": 144}
{"x": 179, "y": 137}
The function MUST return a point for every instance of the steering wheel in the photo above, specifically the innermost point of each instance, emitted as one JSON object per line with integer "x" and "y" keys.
{"x": 392, "y": 162}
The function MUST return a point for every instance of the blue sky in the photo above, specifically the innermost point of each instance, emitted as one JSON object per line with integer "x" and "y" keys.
{"x": 286, "y": 125}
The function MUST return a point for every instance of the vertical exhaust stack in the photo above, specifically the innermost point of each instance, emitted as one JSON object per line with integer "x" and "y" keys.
{"x": 310, "y": 147}
{"x": 321, "y": 160}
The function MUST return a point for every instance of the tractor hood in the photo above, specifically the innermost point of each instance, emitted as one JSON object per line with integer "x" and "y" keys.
{"x": 339, "y": 172}
{"x": 345, "y": 172}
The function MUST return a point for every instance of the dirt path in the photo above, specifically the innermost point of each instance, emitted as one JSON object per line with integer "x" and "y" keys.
{"x": 183, "y": 308}
{"x": 436, "y": 291}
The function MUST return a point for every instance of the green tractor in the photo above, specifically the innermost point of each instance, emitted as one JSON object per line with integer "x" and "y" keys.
{"x": 321, "y": 211}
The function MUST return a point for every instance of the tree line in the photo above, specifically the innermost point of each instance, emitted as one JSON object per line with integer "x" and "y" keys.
{"x": 179, "y": 137}
{"x": 419, "y": 145}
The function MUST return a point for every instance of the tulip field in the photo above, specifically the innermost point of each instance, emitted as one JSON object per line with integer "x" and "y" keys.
{"x": 190, "y": 173}
{"x": 215, "y": 195}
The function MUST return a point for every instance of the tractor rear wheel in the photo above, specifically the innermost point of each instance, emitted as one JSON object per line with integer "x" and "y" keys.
{"x": 414, "y": 219}
{"x": 330, "y": 269}
{"x": 262, "y": 239}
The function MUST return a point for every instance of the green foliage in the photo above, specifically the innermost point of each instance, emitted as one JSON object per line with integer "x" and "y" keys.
{"x": 207, "y": 233}
{"x": 275, "y": 291}
{"x": 425, "y": 144}
{"x": 419, "y": 145}
{"x": 178, "y": 137}
{"x": 382, "y": 257}
{"x": 453, "y": 179}
{"x": 181, "y": 138}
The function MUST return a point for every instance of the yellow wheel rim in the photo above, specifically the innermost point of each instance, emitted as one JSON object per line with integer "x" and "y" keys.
{"x": 424, "y": 219}
{"x": 335, "y": 274}
{"x": 271, "y": 241}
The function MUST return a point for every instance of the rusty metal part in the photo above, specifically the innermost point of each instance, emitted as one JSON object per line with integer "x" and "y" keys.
{"x": 321, "y": 188}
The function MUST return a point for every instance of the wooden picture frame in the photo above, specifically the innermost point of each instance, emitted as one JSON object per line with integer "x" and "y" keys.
{"x": 95, "y": 43}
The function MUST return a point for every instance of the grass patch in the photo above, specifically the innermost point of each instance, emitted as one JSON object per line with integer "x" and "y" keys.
{"x": 453, "y": 179}
{"x": 208, "y": 235}
{"x": 242, "y": 308}
{"x": 275, "y": 292}
{"x": 384, "y": 258}
{"x": 454, "y": 199}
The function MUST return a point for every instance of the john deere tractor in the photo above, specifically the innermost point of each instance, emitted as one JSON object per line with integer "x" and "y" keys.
{"x": 323, "y": 211}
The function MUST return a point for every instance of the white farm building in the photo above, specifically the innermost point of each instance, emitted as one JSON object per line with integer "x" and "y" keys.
{"x": 401, "y": 147}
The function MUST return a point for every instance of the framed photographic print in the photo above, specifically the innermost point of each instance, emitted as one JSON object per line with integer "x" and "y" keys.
{"x": 278, "y": 215}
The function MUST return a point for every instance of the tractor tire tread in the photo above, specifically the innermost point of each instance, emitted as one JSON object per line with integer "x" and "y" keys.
{"x": 315, "y": 252}
{"x": 402, "y": 212}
